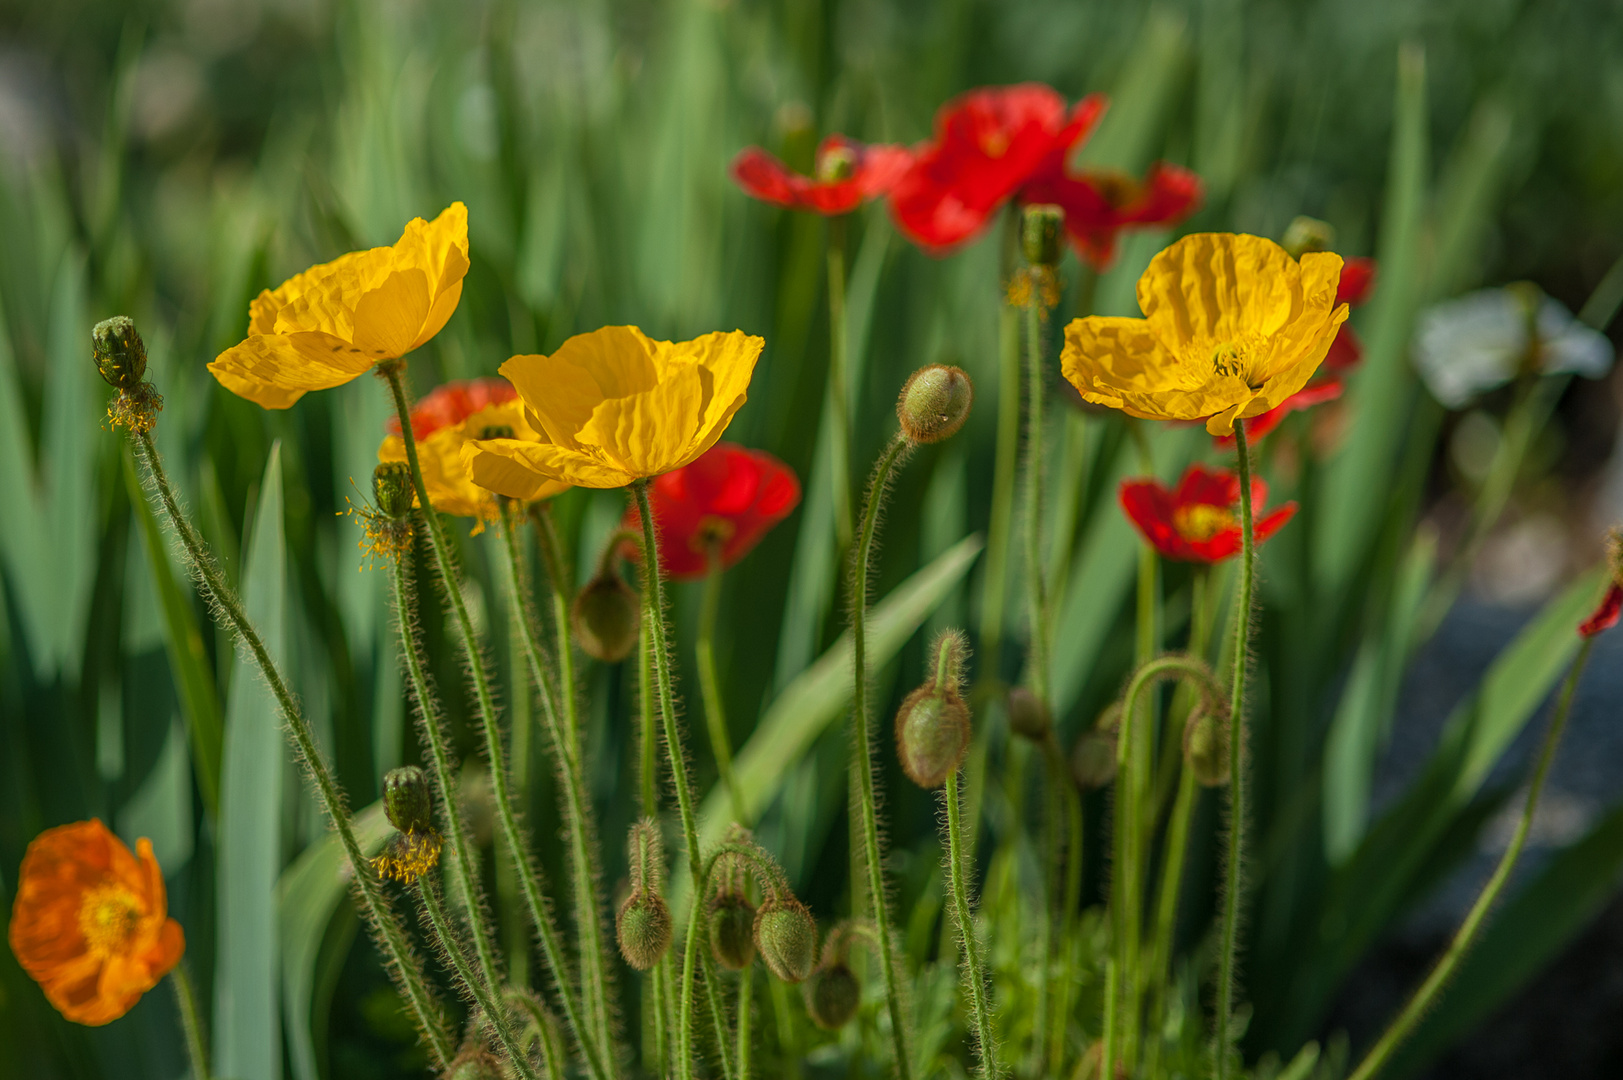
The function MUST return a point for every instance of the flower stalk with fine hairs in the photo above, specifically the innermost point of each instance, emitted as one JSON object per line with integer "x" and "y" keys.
{"x": 191, "y": 1020}
{"x": 227, "y": 609}
{"x": 599, "y": 1056}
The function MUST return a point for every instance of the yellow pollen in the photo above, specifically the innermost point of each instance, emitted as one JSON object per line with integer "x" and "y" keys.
{"x": 109, "y": 917}
{"x": 410, "y": 855}
{"x": 1201, "y": 521}
{"x": 995, "y": 144}
{"x": 1226, "y": 360}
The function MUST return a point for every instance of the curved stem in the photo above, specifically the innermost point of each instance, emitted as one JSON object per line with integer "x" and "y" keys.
{"x": 494, "y": 1012}
{"x": 1233, "y": 876}
{"x": 1404, "y": 1024}
{"x": 715, "y": 717}
{"x": 507, "y": 819}
{"x": 963, "y": 914}
{"x": 579, "y": 823}
{"x": 862, "y": 745}
{"x": 191, "y": 1020}
{"x": 403, "y": 963}
{"x": 838, "y": 382}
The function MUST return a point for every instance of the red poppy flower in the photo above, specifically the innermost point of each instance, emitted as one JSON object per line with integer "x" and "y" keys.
{"x": 1606, "y": 615}
{"x": 452, "y": 403}
{"x": 988, "y": 144}
{"x": 847, "y": 173}
{"x": 1099, "y": 205}
{"x": 1306, "y": 398}
{"x": 731, "y": 495}
{"x": 1357, "y": 282}
{"x": 1199, "y": 520}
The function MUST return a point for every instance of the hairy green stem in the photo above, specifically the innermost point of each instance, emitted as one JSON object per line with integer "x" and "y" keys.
{"x": 839, "y": 382}
{"x": 601, "y": 1060}
{"x": 391, "y": 935}
{"x": 546, "y": 1036}
{"x": 1404, "y": 1024}
{"x": 974, "y": 975}
{"x": 862, "y": 743}
{"x": 191, "y": 1020}
{"x": 1234, "y": 869}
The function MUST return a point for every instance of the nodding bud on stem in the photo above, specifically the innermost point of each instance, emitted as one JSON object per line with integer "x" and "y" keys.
{"x": 832, "y": 995}
{"x": 391, "y": 489}
{"x": 475, "y": 1063}
{"x": 732, "y": 929}
{"x": 643, "y": 925}
{"x": 932, "y": 726}
{"x": 121, "y": 355}
{"x": 1028, "y": 716}
{"x": 1305, "y": 234}
{"x": 1206, "y": 748}
{"x": 1042, "y": 234}
{"x": 934, "y": 403}
{"x": 786, "y": 937}
{"x": 406, "y": 799}
{"x": 606, "y": 612}
{"x": 1093, "y": 758}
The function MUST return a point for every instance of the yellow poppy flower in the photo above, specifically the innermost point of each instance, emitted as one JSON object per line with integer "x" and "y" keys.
{"x": 1232, "y": 327}
{"x": 614, "y": 406}
{"x": 450, "y": 488}
{"x": 322, "y": 328}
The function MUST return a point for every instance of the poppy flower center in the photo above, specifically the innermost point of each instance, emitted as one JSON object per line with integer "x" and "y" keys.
{"x": 1200, "y": 522}
{"x": 1115, "y": 188}
{"x": 995, "y": 144}
{"x": 836, "y": 165}
{"x": 109, "y": 916}
{"x": 712, "y": 531}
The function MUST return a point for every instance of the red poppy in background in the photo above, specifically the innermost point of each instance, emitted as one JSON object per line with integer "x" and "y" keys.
{"x": 846, "y": 174}
{"x": 1305, "y": 398}
{"x": 1357, "y": 282}
{"x": 452, "y": 403}
{"x": 1199, "y": 520}
{"x": 1099, "y": 205}
{"x": 1606, "y": 615}
{"x": 730, "y": 496}
{"x": 988, "y": 144}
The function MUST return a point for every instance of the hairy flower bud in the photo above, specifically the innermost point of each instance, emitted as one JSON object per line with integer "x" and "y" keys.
{"x": 1305, "y": 234}
{"x": 1028, "y": 717}
{"x": 1206, "y": 749}
{"x": 1093, "y": 758}
{"x": 605, "y": 615}
{"x": 786, "y": 937}
{"x": 475, "y": 1063}
{"x": 932, "y": 735}
{"x": 732, "y": 930}
{"x": 832, "y": 995}
{"x": 121, "y": 355}
{"x": 1042, "y": 232}
{"x": 407, "y": 801}
{"x": 934, "y": 403}
{"x": 391, "y": 489}
{"x": 643, "y": 928}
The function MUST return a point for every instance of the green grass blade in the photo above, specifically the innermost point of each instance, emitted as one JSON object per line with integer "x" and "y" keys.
{"x": 67, "y": 469}
{"x": 248, "y": 1034}
{"x": 23, "y": 540}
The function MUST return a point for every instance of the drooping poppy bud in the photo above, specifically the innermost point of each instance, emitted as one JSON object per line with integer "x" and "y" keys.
{"x": 391, "y": 489}
{"x": 1028, "y": 716}
{"x": 121, "y": 355}
{"x": 1042, "y": 233}
{"x": 786, "y": 936}
{"x": 606, "y": 612}
{"x": 1093, "y": 758}
{"x": 406, "y": 799}
{"x": 934, "y": 403}
{"x": 832, "y": 996}
{"x": 643, "y": 929}
{"x": 932, "y": 726}
{"x": 732, "y": 930}
{"x": 1206, "y": 749}
{"x": 475, "y": 1063}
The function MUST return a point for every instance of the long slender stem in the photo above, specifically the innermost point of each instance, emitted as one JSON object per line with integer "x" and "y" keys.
{"x": 715, "y": 716}
{"x": 839, "y": 382}
{"x": 495, "y": 1014}
{"x": 404, "y": 964}
{"x": 995, "y": 579}
{"x": 862, "y": 744}
{"x": 746, "y": 987}
{"x": 579, "y": 823}
{"x": 191, "y": 1020}
{"x": 598, "y": 1058}
{"x": 1404, "y": 1023}
{"x": 963, "y": 915}
{"x": 1234, "y": 871}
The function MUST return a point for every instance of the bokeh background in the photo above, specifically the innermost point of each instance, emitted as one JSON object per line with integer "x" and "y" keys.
{"x": 169, "y": 159}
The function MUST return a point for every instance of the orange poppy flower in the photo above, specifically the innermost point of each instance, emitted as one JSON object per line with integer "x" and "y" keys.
{"x": 90, "y": 923}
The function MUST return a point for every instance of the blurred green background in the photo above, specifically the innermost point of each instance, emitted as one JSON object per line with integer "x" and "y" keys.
{"x": 170, "y": 159}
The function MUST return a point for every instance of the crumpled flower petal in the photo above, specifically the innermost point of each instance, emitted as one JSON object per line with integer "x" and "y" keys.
{"x": 873, "y": 171}
{"x": 1199, "y": 520}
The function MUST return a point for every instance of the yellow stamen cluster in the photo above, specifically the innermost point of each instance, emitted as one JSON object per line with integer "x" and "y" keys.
{"x": 1201, "y": 521}
{"x": 109, "y": 916}
{"x": 410, "y": 855}
{"x": 135, "y": 409}
{"x": 1040, "y": 281}
{"x": 383, "y": 538}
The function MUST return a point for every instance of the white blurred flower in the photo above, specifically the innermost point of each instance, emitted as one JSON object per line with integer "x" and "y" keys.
{"x": 1479, "y": 341}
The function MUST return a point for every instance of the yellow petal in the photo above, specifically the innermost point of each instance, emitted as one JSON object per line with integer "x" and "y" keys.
{"x": 728, "y": 359}
{"x": 275, "y": 370}
{"x": 323, "y": 298}
{"x": 1218, "y": 287}
{"x": 1117, "y": 362}
{"x": 518, "y": 469}
{"x": 389, "y": 315}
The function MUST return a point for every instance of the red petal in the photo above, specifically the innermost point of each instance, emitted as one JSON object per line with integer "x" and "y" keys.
{"x": 1357, "y": 281}
{"x": 1210, "y": 487}
{"x": 1149, "y": 507}
{"x": 453, "y": 402}
{"x": 1345, "y": 351}
{"x": 764, "y": 177}
{"x": 1606, "y": 615}
{"x": 1306, "y": 398}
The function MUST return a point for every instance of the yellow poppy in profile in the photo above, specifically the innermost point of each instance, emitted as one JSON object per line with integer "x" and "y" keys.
{"x": 614, "y": 406}
{"x": 322, "y": 328}
{"x": 1232, "y": 327}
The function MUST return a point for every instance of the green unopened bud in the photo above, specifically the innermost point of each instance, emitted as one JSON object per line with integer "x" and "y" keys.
{"x": 121, "y": 355}
{"x": 1028, "y": 717}
{"x": 605, "y": 616}
{"x": 786, "y": 937}
{"x": 475, "y": 1064}
{"x": 1042, "y": 232}
{"x": 935, "y": 403}
{"x": 643, "y": 928}
{"x": 1206, "y": 749}
{"x": 932, "y": 734}
{"x": 407, "y": 801}
{"x": 832, "y": 995}
{"x": 732, "y": 930}
{"x": 391, "y": 489}
{"x": 1305, "y": 234}
{"x": 496, "y": 431}
{"x": 1093, "y": 758}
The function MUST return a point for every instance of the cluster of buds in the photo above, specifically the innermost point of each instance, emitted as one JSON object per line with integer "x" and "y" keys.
{"x": 833, "y": 993}
{"x": 643, "y": 925}
{"x": 606, "y": 613}
{"x": 932, "y": 726}
{"x": 121, "y": 357}
{"x": 415, "y": 848}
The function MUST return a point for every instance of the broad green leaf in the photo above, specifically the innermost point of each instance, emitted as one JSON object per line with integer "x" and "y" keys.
{"x": 183, "y": 643}
{"x": 248, "y": 1034}
{"x": 70, "y": 438}
{"x": 23, "y": 540}
{"x": 307, "y": 893}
